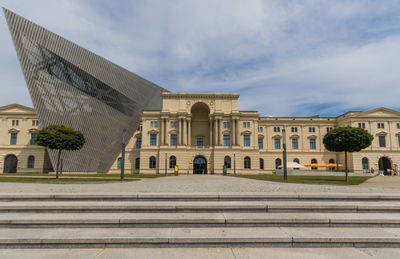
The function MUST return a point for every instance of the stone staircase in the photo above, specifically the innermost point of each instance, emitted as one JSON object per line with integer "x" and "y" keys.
{"x": 203, "y": 220}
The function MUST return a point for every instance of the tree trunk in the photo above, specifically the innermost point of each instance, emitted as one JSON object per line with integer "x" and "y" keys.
{"x": 345, "y": 166}
{"x": 58, "y": 162}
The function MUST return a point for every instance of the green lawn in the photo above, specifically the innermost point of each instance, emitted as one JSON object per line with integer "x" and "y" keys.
{"x": 353, "y": 180}
{"x": 73, "y": 178}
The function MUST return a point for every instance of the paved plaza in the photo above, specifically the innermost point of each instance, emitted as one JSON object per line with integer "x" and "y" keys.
{"x": 203, "y": 184}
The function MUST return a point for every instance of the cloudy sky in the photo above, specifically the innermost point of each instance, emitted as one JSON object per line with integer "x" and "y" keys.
{"x": 286, "y": 58}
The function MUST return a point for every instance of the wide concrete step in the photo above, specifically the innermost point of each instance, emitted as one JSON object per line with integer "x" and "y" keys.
{"x": 153, "y": 220}
{"x": 200, "y": 206}
{"x": 218, "y": 236}
{"x": 201, "y": 196}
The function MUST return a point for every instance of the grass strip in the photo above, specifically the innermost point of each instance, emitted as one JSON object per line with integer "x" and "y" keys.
{"x": 353, "y": 180}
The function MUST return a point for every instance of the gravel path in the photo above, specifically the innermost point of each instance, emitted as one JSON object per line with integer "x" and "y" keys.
{"x": 202, "y": 184}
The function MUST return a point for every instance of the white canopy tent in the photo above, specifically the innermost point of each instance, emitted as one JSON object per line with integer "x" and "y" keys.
{"x": 292, "y": 165}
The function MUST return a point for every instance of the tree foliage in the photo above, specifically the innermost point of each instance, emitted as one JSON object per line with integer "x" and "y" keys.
{"x": 60, "y": 137}
{"x": 347, "y": 139}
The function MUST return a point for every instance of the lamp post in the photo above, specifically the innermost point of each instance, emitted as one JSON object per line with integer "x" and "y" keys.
{"x": 165, "y": 172}
{"x": 234, "y": 164}
{"x": 284, "y": 155}
{"x": 123, "y": 154}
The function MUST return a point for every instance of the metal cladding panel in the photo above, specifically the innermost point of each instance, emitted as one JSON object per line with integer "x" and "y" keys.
{"x": 72, "y": 86}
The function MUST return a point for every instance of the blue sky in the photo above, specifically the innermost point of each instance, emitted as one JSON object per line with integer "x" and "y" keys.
{"x": 285, "y": 58}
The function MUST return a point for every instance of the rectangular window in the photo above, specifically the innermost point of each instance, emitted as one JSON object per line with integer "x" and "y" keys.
{"x": 260, "y": 129}
{"x": 312, "y": 143}
{"x": 277, "y": 143}
{"x": 139, "y": 128}
{"x": 33, "y": 136}
{"x": 398, "y": 125}
{"x": 155, "y": 124}
{"x": 174, "y": 124}
{"x": 260, "y": 143}
{"x": 33, "y": 123}
{"x": 15, "y": 122}
{"x": 398, "y": 137}
{"x": 173, "y": 140}
{"x": 153, "y": 139}
{"x": 138, "y": 142}
{"x": 311, "y": 129}
{"x": 227, "y": 124}
{"x": 13, "y": 140}
{"x": 295, "y": 143}
{"x": 200, "y": 142}
{"x": 294, "y": 129}
{"x": 277, "y": 129}
{"x": 151, "y": 124}
{"x": 361, "y": 125}
{"x": 381, "y": 125}
{"x": 246, "y": 140}
{"x": 382, "y": 141}
{"x": 227, "y": 140}
{"x": 248, "y": 124}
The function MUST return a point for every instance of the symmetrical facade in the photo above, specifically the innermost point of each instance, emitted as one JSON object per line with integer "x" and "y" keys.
{"x": 202, "y": 132}
{"x": 72, "y": 86}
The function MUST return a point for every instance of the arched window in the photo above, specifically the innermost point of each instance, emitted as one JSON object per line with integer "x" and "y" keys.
{"x": 227, "y": 161}
{"x": 172, "y": 161}
{"x": 364, "y": 162}
{"x": 152, "y": 162}
{"x": 261, "y": 163}
{"x": 247, "y": 162}
{"x": 31, "y": 162}
{"x": 278, "y": 163}
{"x": 119, "y": 162}
{"x": 296, "y": 160}
{"x": 137, "y": 163}
{"x": 314, "y": 161}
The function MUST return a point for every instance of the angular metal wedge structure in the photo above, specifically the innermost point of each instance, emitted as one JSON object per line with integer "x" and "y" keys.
{"x": 72, "y": 86}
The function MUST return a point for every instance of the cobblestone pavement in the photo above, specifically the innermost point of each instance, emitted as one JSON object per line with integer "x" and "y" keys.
{"x": 201, "y": 184}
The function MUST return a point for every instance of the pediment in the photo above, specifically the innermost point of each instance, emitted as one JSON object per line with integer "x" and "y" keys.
{"x": 379, "y": 112}
{"x": 16, "y": 109}
{"x": 246, "y": 132}
{"x": 381, "y": 133}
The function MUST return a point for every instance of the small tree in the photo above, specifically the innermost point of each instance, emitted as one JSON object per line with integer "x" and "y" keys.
{"x": 60, "y": 137}
{"x": 347, "y": 139}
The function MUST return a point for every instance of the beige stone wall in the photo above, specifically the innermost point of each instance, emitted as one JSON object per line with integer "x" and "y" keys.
{"x": 204, "y": 115}
{"x": 22, "y": 120}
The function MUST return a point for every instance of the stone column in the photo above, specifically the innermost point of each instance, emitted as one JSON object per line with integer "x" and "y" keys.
{"x": 255, "y": 134}
{"x": 237, "y": 132}
{"x": 162, "y": 132}
{"x": 233, "y": 122}
{"x": 215, "y": 132}
{"x": 179, "y": 131}
{"x": 211, "y": 135}
{"x": 189, "y": 132}
{"x": 184, "y": 131}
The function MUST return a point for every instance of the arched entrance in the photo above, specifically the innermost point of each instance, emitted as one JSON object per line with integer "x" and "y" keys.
{"x": 10, "y": 164}
{"x": 384, "y": 164}
{"x": 199, "y": 165}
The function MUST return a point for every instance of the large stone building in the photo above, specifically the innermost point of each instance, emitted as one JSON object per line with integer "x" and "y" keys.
{"x": 200, "y": 132}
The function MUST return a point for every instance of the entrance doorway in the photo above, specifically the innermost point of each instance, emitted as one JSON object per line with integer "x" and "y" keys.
{"x": 199, "y": 165}
{"x": 384, "y": 165}
{"x": 10, "y": 164}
